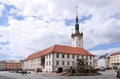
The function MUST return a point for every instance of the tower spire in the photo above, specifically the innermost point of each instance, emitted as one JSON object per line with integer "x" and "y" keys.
{"x": 76, "y": 14}
{"x": 76, "y": 23}
{"x": 77, "y": 36}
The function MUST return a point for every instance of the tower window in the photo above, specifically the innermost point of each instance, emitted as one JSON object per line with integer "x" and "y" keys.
{"x": 79, "y": 38}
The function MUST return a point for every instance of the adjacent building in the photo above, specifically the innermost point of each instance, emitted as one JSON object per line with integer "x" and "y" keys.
{"x": 2, "y": 65}
{"x": 115, "y": 60}
{"x": 60, "y": 57}
{"x": 104, "y": 62}
{"x": 10, "y": 64}
{"x": 95, "y": 65}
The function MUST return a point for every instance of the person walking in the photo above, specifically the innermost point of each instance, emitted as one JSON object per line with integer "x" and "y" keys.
{"x": 22, "y": 72}
{"x": 25, "y": 72}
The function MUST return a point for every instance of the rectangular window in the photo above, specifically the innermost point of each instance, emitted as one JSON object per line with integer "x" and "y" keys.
{"x": 68, "y": 62}
{"x": 117, "y": 59}
{"x": 90, "y": 63}
{"x": 117, "y": 56}
{"x": 57, "y": 62}
{"x": 73, "y": 56}
{"x": 114, "y": 56}
{"x": 86, "y": 57}
{"x": 63, "y": 56}
{"x": 57, "y": 56}
{"x": 82, "y": 57}
{"x": 63, "y": 62}
{"x": 68, "y": 56}
{"x": 73, "y": 63}
{"x": 86, "y": 63}
{"x": 49, "y": 55}
{"x": 90, "y": 57}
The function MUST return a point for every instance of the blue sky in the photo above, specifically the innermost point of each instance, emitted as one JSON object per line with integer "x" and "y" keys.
{"x": 27, "y": 27}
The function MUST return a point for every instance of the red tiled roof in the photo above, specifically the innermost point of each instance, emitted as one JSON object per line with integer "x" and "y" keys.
{"x": 116, "y": 53}
{"x": 60, "y": 49}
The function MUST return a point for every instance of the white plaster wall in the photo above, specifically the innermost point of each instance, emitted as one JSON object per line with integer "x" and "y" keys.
{"x": 60, "y": 59}
{"x": 101, "y": 63}
{"x": 35, "y": 63}
{"x": 90, "y": 60}
{"x": 76, "y": 42}
{"x": 70, "y": 59}
{"x": 32, "y": 64}
{"x": 48, "y": 62}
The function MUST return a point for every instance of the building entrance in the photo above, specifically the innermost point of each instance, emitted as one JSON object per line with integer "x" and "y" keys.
{"x": 60, "y": 69}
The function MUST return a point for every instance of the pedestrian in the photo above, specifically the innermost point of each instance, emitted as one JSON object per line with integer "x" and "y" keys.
{"x": 22, "y": 72}
{"x": 37, "y": 70}
{"x": 25, "y": 72}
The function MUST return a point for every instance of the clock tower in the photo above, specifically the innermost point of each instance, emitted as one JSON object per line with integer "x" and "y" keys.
{"x": 77, "y": 36}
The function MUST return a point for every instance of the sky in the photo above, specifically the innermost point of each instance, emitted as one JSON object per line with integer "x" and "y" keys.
{"x": 28, "y": 26}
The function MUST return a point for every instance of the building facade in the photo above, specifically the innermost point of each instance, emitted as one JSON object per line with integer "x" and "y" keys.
{"x": 115, "y": 60}
{"x": 57, "y": 57}
{"x": 12, "y": 65}
{"x": 104, "y": 62}
{"x": 2, "y": 65}
{"x": 95, "y": 65}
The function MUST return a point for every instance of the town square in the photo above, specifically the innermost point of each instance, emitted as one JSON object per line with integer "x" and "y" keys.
{"x": 59, "y": 39}
{"x": 110, "y": 74}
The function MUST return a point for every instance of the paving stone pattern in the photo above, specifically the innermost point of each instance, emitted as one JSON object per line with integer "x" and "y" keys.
{"x": 109, "y": 74}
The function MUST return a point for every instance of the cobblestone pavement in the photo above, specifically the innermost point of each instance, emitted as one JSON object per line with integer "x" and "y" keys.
{"x": 109, "y": 74}
{"x": 3, "y": 77}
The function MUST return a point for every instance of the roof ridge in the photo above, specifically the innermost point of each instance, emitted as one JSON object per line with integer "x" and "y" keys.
{"x": 52, "y": 48}
{"x": 59, "y": 49}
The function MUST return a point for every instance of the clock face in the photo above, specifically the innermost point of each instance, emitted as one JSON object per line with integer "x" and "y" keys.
{"x": 79, "y": 38}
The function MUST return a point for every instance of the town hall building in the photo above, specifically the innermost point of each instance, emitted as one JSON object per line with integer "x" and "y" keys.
{"x": 60, "y": 56}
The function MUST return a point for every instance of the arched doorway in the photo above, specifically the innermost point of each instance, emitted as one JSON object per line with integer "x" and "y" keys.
{"x": 60, "y": 69}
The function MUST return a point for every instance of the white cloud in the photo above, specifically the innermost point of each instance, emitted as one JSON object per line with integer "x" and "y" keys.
{"x": 44, "y": 24}
{"x": 107, "y": 51}
{"x": 32, "y": 35}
